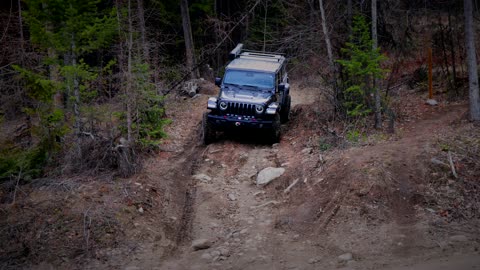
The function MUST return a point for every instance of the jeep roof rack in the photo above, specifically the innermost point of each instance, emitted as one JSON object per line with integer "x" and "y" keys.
{"x": 238, "y": 52}
{"x": 262, "y": 56}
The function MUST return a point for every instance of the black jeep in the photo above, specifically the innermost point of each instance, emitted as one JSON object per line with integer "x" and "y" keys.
{"x": 254, "y": 93}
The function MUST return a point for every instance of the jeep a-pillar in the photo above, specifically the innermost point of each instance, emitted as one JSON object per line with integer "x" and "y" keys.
{"x": 254, "y": 94}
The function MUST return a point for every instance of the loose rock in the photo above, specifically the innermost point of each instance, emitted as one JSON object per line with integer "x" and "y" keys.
{"x": 206, "y": 256}
{"x": 345, "y": 257}
{"x": 307, "y": 150}
{"x": 458, "y": 238}
{"x": 267, "y": 175}
{"x": 232, "y": 197}
{"x": 438, "y": 162}
{"x": 202, "y": 177}
{"x": 224, "y": 251}
{"x": 431, "y": 102}
{"x": 201, "y": 244}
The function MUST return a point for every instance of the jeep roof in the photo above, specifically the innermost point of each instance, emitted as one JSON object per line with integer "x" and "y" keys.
{"x": 252, "y": 60}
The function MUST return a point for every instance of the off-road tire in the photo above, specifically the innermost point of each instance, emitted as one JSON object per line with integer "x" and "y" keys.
{"x": 208, "y": 133}
{"x": 274, "y": 134}
{"x": 285, "y": 113}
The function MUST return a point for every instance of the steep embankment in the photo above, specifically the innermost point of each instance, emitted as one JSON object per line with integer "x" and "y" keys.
{"x": 375, "y": 203}
{"x": 364, "y": 207}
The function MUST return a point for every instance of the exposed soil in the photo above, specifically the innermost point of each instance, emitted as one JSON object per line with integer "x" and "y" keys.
{"x": 371, "y": 198}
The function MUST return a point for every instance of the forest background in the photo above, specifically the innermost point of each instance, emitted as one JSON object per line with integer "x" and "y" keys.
{"x": 86, "y": 81}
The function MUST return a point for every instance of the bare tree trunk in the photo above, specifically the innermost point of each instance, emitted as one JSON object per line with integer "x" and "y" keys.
{"x": 331, "y": 61}
{"x": 471, "y": 62}
{"x": 349, "y": 16}
{"x": 143, "y": 35}
{"x": 217, "y": 33}
{"x": 378, "y": 113}
{"x": 53, "y": 69}
{"x": 129, "y": 75}
{"x": 444, "y": 50}
{"x": 20, "y": 21}
{"x": 76, "y": 91}
{"x": 452, "y": 52}
{"x": 327, "y": 37}
{"x": 265, "y": 26}
{"x": 311, "y": 22}
{"x": 187, "y": 33}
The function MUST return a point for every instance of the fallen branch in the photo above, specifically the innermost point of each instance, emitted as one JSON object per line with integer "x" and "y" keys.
{"x": 88, "y": 134}
{"x": 332, "y": 214}
{"x": 264, "y": 204}
{"x": 87, "y": 222}
{"x": 291, "y": 185}
{"x": 452, "y": 166}
{"x": 16, "y": 186}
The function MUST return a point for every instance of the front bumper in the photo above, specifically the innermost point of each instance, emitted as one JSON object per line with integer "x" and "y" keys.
{"x": 223, "y": 122}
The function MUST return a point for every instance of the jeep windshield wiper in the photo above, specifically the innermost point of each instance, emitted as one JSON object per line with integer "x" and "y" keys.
{"x": 230, "y": 84}
{"x": 248, "y": 86}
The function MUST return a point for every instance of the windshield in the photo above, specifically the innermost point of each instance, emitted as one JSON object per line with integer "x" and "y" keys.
{"x": 249, "y": 78}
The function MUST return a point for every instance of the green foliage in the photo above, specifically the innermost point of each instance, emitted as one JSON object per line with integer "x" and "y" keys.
{"x": 361, "y": 65}
{"x": 445, "y": 146}
{"x": 354, "y": 136}
{"x": 150, "y": 121}
{"x": 39, "y": 87}
{"x": 84, "y": 74}
{"x": 66, "y": 30}
{"x": 70, "y": 25}
{"x": 276, "y": 21}
{"x": 26, "y": 164}
{"x": 324, "y": 145}
{"x": 51, "y": 124}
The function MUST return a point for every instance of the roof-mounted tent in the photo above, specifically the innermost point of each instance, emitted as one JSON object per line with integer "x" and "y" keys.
{"x": 236, "y": 52}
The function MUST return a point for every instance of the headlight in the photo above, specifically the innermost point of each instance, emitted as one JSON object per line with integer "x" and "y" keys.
{"x": 212, "y": 103}
{"x": 223, "y": 105}
{"x": 259, "y": 109}
{"x": 272, "y": 108}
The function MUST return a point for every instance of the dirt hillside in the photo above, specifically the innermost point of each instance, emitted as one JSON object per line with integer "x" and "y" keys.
{"x": 374, "y": 201}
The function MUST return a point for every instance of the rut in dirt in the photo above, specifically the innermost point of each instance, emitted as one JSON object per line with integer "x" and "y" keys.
{"x": 185, "y": 164}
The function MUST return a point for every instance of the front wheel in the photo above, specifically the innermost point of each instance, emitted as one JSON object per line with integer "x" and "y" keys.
{"x": 285, "y": 113}
{"x": 275, "y": 132}
{"x": 208, "y": 133}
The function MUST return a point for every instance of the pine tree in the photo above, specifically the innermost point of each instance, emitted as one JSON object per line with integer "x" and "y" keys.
{"x": 360, "y": 66}
{"x": 65, "y": 31}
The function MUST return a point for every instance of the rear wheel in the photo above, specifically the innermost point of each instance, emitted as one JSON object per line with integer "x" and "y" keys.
{"x": 208, "y": 133}
{"x": 275, "y": 132}
{"x": 285, "y": 113}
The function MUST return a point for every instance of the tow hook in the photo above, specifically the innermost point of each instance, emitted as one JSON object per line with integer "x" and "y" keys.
{"x": 237, "y": 124}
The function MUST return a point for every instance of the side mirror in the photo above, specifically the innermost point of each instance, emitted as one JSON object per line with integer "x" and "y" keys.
{"x": 281, "y": 87}
{"x": 218, "y": 81}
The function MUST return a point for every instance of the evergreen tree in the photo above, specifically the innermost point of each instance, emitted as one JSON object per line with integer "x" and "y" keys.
{"x": 361, "y": 65}
{"x": 65, "y": 31}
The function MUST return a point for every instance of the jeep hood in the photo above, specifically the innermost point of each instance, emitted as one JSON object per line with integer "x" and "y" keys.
{"x": 245, "y": 95}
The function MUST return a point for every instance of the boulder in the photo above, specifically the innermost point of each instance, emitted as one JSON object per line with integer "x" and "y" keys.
{"x": 202, "y": 177}
{"x": 345, "y": 257}
{"x": 431, "y": 102}
{"x": 458, "y": 238}
{"x": 201, "y": 244}
{"x": 269, "y": 174}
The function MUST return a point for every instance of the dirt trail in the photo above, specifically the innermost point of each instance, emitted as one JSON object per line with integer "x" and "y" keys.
{"x": 255, "y": 227}
{"x": 364, "y": 206}
{"x": 364, "y": 202}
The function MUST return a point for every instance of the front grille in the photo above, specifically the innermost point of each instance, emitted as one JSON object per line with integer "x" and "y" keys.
{"x": 238, "y": 108}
